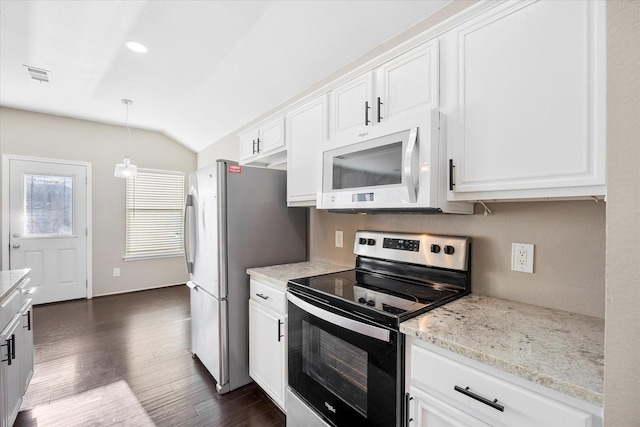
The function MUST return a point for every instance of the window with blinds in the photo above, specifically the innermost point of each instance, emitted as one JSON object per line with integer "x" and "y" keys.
{"x": 154, "y": 214}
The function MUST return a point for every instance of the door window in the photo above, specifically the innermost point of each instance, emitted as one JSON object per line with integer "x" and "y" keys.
{"x": 48, "y": 205}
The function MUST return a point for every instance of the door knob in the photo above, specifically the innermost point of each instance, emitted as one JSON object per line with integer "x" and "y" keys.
{"x": 16, "y": 245}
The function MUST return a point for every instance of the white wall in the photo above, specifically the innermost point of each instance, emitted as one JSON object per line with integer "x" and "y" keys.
{"x": 43, "y": 135}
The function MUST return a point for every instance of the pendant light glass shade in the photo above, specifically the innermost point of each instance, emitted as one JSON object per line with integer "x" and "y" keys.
{"x": 126, "y": 169}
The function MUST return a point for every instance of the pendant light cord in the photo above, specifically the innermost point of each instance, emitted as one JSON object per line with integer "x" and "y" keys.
{"x": 127, "y": 102}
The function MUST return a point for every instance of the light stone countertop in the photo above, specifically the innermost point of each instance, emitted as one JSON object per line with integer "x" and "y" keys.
{"x": 279, "y": 275}
{"x": 10, "y": 279}
{"x": 557, "y": 349}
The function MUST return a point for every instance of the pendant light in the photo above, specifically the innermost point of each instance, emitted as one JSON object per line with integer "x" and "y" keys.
{"x": 126, "y": 169}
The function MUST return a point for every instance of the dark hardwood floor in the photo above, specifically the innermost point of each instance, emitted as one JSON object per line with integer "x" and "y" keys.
{"x": 124, "y": 360}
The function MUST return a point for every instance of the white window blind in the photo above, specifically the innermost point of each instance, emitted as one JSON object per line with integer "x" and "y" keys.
{"x": 154, "y": 214}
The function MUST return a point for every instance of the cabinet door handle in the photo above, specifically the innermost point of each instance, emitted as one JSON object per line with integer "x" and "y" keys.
{"x": 451, "y": 167}
{"x": 280, "y": 323}
{"x": 253, "y": 151}
{"x": 8, "y": 345}
{"x": 379, "y": 109}
{"x": 262, "y": 296}
{"x": 13, "y": 346}
{"x": 407, "y": 409}
{"x": 366, "y": 113}
{"x": 493, "y": 403}
{"x": 258, "y": 145}
{"x": 28, "y": 314}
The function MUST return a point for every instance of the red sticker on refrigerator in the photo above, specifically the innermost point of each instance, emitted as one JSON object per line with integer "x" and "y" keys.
{"x": 235, "y": 169}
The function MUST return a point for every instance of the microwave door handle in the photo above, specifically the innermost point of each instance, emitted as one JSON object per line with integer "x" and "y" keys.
{"x": 410, "y": 169}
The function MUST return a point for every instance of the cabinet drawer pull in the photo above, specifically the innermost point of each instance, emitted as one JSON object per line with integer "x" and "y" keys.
{"x": 262, "y": 296}
{"x": 493, "y": 403}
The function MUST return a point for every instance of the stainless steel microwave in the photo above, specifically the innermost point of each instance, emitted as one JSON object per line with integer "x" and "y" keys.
{"x": 399, "y": 171}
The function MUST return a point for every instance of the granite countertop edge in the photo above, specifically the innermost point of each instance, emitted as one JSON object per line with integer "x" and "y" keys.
{"x": 279, "y": 275}
{"x": 482, "y": 352}
{"x": 10, "y": 280}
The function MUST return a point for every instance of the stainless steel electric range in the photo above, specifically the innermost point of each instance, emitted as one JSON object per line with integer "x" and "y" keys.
{"x": 345, "y": 350}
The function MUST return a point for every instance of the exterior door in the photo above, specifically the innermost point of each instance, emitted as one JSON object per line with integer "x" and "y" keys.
{"x": 48, "y": 227}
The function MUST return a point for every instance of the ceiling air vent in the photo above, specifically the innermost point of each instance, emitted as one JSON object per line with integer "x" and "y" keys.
{"x": 38, "y": 74}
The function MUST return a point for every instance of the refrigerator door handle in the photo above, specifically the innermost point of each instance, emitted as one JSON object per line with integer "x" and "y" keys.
{"x": 188, "y": 202}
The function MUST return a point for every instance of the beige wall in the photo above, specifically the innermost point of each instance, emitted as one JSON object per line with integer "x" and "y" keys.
{"x": 227, "y": 148}
{"x": 622, "y": 342}
{"x": 569, "y": 268}
{"x": 43, "y": 135}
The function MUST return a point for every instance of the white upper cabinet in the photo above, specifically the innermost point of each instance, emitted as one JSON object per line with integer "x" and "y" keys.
{"x": 306, "y": 133}
{"x": 352, "y": 105}
{"x": 407, "y": 82}
{"x": 393, "y": 89}
{"x": 523, "y": 88}
{"x": 265, "y": 145}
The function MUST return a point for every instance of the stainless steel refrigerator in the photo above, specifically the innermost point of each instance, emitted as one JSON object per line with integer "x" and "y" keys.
{"x": 236, "y": 218}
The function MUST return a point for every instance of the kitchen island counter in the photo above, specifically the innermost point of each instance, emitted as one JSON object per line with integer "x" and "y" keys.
{"x": 557, "y": 349}
{"x": 10, "y": 280}
{"x": 279, "y": 275}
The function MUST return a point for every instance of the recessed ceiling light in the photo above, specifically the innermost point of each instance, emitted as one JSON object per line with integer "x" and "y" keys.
{"x": 137, "y": 47}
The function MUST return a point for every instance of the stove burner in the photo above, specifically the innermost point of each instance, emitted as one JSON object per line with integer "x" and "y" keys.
{"x": 432, "y": 292}
{"x": 339, "y": 286}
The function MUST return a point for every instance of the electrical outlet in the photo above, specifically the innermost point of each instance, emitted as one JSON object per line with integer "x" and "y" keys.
{"x": 522, "y": 257}
{"x": 339, "y": 241}
{"x": 116, "y": 272}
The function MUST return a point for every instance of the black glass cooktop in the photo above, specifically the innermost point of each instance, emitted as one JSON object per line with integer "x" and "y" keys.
{"x": 387, "y": 299}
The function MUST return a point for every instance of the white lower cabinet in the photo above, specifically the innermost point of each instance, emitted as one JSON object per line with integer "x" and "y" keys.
{"x": 11, "y": 385}
{"x": 16, "y": 351}
{"x": 26, "y": 345}
{"x": 446, "y": 389}
{"x": 427, "y": 410}
{"x": 267, "y": 341}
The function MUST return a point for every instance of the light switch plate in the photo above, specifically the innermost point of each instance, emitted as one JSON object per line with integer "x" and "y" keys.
{"x": 339, "y": 241}
{"x": 522, "y": 257}
{"x": 116, "y": 272}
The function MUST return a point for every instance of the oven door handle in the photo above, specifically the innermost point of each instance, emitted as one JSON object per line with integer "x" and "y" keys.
{"x": 335, "y": 319}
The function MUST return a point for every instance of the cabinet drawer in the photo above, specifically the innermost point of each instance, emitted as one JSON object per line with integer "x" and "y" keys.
{"x": 25, "y": 291}
{"x": 9, "y": 307}
{"x": 269, "y": 296}
{"x": 463, "y": 387}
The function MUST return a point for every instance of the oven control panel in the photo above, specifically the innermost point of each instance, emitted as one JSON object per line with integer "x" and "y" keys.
{"x": 401, "y": 244}
{"x": 433, "y": 250}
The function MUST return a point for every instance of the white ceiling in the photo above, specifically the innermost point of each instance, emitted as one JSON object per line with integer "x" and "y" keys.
{"x": 212, "y": 66}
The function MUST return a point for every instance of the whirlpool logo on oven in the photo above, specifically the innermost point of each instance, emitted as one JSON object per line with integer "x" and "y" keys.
{"x": 329, "y": 407}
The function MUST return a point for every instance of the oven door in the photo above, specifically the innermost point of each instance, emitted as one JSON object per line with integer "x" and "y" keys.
{"x": 347, "y": 369}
